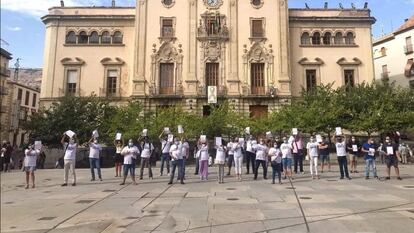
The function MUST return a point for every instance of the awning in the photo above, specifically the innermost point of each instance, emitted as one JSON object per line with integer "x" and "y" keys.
{"x": 408, "y": 68}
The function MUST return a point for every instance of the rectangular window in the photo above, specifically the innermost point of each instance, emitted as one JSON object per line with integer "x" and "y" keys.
{"x": 310, "y": 79}
{"x": 72, "y": 78}
{"x": 111, "y": 82}
{"x": 166, "y": 78}
{"x": 257, "y": 79}
{"x": 212, "y": 73}
{"x": 349, "y": 78}
{"x": 34, "y": 100}
{"x": 20, "y": 94}
{"x": 384, "y": 71}
{"x": 27, "y": 98}
{"x": 167, "y": 29}
{"x": 408, "y": 45}
{"x": 257, "y": 28}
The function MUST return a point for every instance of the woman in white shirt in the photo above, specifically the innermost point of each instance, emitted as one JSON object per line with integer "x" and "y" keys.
{"x": 276, "y": 161}
{"x": 220, "y": 161}
{"x": 147, "y": 148}
{"x": 30, "y": 159}
{"x": 70, "y": 148}
{"x": 94, "y": 158}
{"x": 286, "y": 149}
{"x": 130, "y": 153}
{"x": 238, "y": 158}
{"x": 261, "y": 156}
{"x": 230, "y": 155}
{"x": 203, "y": 157}
{"x": 312, "y": 148}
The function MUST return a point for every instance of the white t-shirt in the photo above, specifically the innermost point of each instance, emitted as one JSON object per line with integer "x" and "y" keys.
{"x": 313, "y": 149}
{"x": 230, "y": 146}
{"x": 70, "y": 152}
{"x": 250, "y": 144}
{"x": 204, "y": 152}
{"x": 147, "y": 148}
{"x": 30, "y": 157}
{"x": 286, "y": 149}
{"x": 340, "y": 149}
{"x": 129, "y": 153}
{"x": 175, "y": 151}
{"x": 260, "y": 151}
{"x": 94, "y": 149}
{"x": 275, "y": 155}
{"x": 237, "y": 150}
{"x": 185, "y": 150}
{"x": 165, "y": 146}
{"x": 220, "y": 155}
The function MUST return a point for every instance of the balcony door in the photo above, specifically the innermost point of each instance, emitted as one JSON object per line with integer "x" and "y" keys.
{"x": 166, "y": 78}
{"x": 257, "y": 79}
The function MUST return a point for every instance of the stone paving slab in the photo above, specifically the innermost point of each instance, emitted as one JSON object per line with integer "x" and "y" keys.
{"x": 329, "y": 204}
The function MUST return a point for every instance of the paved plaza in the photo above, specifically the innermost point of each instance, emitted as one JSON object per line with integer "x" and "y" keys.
{"x": 325, "y": 205}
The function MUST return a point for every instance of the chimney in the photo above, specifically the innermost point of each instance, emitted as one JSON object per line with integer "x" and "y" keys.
{"x": 62, "y": 3}
{"x": 113, "y": 3}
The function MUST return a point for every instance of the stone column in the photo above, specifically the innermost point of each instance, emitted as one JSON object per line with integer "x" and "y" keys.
{"x": 191, "y": 80}
{"x": 233, "y": 81}
{"x": 140, "y": 48}
{"x": 51, "y": 62}
{"x": 283, "y": 51}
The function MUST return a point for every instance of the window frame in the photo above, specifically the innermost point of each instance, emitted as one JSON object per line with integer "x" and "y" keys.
{"x": 105, "y": 37}
{"x": 316, "y": 39}
{"x": 83, "y": 37}
{"x": 209, "y": 66}
{"x": 314, "y": 83}
{"x": 306, "y": 40}
{"x": 97, "y": 37}
{"x": 257, "y": 78}
{"x": 75, "y": 37}
{"x": 173, "y": 27}
{"x": 263, "y": 28}
{"x": 34, "y": 100}
{"x": 350, "y": 40}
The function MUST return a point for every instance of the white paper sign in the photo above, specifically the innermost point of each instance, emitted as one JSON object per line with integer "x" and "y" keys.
{"x": 268, "y": 134}
{"x": 371, "y": 151}
{"x": 241, "y": 140}
{"x": 212, "y": 94}
{"x": 170, "y": 137}
{"x": 180, "y": 129}
{"x": 318, "y": 138}
{"x": 354, "y": 148}
{"x": 203, "y": 138}
{"x": 218, "y": 141}
{"x": 390, "y": 150}
{"x": 247, "y": 130}
{"x": 166, "y": 130}
{"x": 338, "y": 130}
{"x": 118, "y": 136}
{"x": 38, "y": 145}
{"x": 144, "y": 132}
{"x": 70, "y": 133}
{"x": 95, "y": 134}
{"x": 295, "y": 131}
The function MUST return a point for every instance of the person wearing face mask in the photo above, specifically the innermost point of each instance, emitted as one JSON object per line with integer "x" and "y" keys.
{"x": 165, "y": 152}
{"x": 94, "y": 160}
{"x": 130, "y": 153}
{"x": 30, "y": 164}
{"x": 324, "y": 152}
{"x": 391, "y": 157}
{"x": 312, "y": 148}
{"x": 276, "y": 161}
{"x": 119, "y": 145}
{"x": 146, "y": 151}
{"x": 230, "y": 154}
{"x": 297, "y": 148}
{"x": 203, "y": 150}
{"x": 261, "y": 156}
{"x": 238, "y": 158}
{"x": 286, "y": 149}
{"x": 353, "y": 148}
{"x": 185, "y": 150}
{"x": 220, "y": 161}
{"x": 176, "y": 160}
{"x": 250, "y": 153}
{"x": 368, "y": 149}
{"x": 70, "y": 146}
{"x": 341, "y": 155}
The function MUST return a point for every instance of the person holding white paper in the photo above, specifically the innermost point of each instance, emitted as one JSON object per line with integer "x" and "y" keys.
{"x": 324, "y": 152}
{"x": 340, "y": 145}
{"x": 368, "y": 149}
{"x": 391, "y": 157}
{"x": 261, "y": 157}
{"x": 312, "y": 148}
{"x": 286, "y": 149}
{"x": 230, "y": 154}
{"x": 185, "y": 150}
{"x": 165, "y": 152}
{"x": 69, "y": 145}
{"x": 276, "y": 161}
{"x": 119, "y": 160}
{"x": 94, "y": 158}
{"x": 297, "y": 149}
{"x": 250, "y": 154}
{"x": 146, "y": 152}
{"x": 220, "y": 160}
{"x": 353, "y": 148}
{"x": 176, "y": 160}
{"x": 203, "y": 158}
{"x": 30, "y": 164}
{"x": 130, "y": 153}
{"x": 238, "y": 157}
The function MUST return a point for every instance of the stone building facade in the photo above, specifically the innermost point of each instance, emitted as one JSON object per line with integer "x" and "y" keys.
{"x": 257, "y": 53}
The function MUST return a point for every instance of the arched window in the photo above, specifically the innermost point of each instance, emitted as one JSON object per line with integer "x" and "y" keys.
{"x": 305, "y": 39}
{"x": 339, "y": 38}
{"x": 82, "y": 38}
{"x": 316, "y": 38}
{"x": 349, "y": 39}
{"x": 71, "y": 38}
{"x": 94, "y": 38}
{"x": 383, "y": 51}
{"x": 327, "y": 38}
{"x": 106, "y": 37}
{"x": 117, "y": 38}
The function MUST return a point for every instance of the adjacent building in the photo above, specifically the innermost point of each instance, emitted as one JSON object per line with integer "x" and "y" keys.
{"x": 394, "y": 56}
{"x": 258, "y": 54}
{"x": 18, "y": 102}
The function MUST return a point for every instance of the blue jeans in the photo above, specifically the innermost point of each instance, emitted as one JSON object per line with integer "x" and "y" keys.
{"x": 95, "y": 163}
{"x": 184, "y": 160}
{"x": 174, "y": 164}
{"x": 165, "y": 157}
{"x": 370, "y": 163}
{"x": 197, "y": 166}
{"x": 129, "y": 168}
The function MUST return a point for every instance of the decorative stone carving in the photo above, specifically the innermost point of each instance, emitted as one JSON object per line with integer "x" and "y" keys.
{"x": 343, "y": 62}
{"x": 257, "y": 3}
{"x": 221, "y": 32}
{"x": 72, "y": 62}
{"x": 306, "y": 61}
